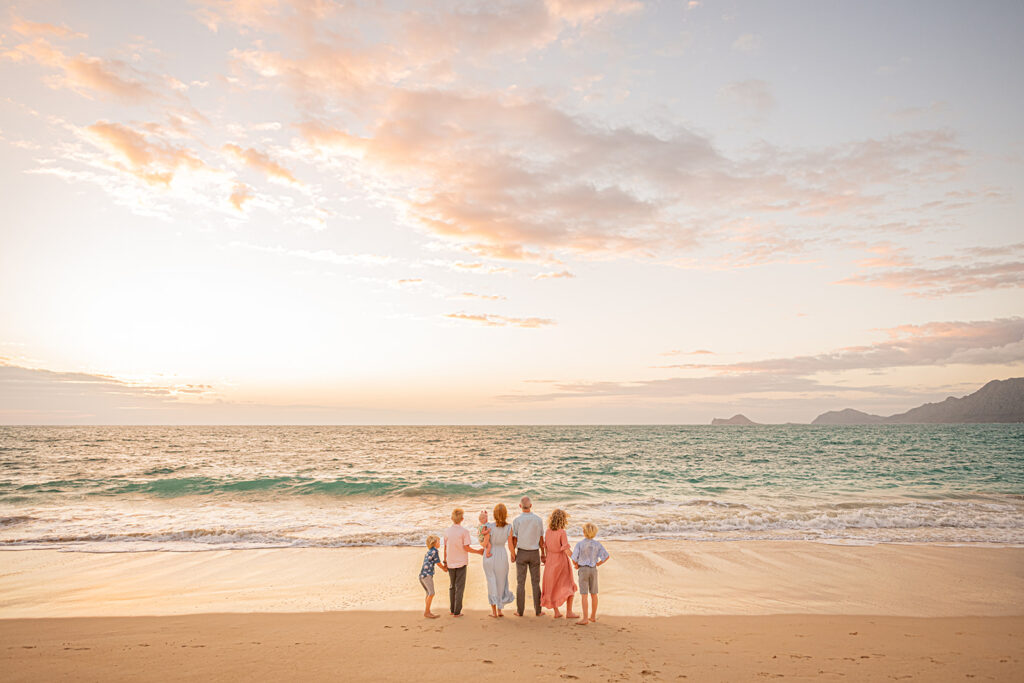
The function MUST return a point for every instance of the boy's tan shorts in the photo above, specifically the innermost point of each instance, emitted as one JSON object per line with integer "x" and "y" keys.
{"x": 588, "y": 580}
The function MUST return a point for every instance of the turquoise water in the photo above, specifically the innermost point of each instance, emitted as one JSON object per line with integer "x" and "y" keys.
{"x": 190, "y": 488}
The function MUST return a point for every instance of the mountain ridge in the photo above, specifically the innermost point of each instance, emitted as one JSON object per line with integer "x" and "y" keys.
{"x": 998, "y": 401}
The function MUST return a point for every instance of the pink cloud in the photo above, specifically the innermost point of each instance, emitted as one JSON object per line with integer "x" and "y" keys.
{"x": 974, "y": 269}
{"x": 553, "y": 275}
{"x": 261, "y": 162}
{"x": 155, "y": 163}
{"x": 83, "y": 73}
{"x": 36, "y": 29}
{"x": 240, "y": 195}
{"x": 485, "y": 297}
{"x": 984, "y": 342}
{"x": 500, "y": 320}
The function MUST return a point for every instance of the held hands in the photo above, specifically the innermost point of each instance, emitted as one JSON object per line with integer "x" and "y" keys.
{"x": 513, "y": 555}
{"x": 443, "y": 566}
{"x": 575, "y": 565}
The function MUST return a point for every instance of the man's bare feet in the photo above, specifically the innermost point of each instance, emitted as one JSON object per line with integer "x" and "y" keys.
{"x": 582, "y": 622}
{"x": 519, "y": 614}
{"x": 431, "y": 615}
{"x": 457, "y": 615}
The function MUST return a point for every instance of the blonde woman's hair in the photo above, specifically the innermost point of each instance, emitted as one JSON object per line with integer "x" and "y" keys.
{"x": 558, "y": 519}
{"x": 590, "y": 530}
{"x": 458, "y": 514}
{"x": 500, "y": 515}
{"x": 433, "y": 541}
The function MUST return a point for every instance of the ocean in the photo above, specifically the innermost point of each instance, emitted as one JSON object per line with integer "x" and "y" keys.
{"x": 124, "y": 489}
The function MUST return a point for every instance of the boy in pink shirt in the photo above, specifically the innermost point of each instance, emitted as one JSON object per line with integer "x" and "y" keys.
{"x": 456, "y": 556}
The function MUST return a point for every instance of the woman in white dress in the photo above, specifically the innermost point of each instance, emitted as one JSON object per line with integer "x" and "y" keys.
{"x": 496, "y": 566}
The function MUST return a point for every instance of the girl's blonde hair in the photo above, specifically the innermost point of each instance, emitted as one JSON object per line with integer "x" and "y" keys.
{"x": 590, "y": 530}
{"x": 558, "y": 519}
{"x": 433, "y": 541}
{"x": 458, "y": 514}
{"x": 500, "y": 515}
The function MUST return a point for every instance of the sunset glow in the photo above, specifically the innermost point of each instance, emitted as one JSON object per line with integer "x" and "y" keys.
{"x": 522, "y": 211}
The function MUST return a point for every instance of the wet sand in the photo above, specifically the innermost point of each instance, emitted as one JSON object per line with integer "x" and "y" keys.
{"x": 669, "y": 611}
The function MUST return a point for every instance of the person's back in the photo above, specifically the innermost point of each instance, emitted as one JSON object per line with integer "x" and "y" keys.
{"x": 456, "y": 537}
{"x": 528, "y": 553}
{"x": 528, "y": 529}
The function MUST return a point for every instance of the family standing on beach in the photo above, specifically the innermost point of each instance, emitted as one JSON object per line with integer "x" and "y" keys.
{"x": 529, "y": 546}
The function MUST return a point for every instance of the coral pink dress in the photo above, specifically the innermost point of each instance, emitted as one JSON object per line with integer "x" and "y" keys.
{"x": 558, "y": 583}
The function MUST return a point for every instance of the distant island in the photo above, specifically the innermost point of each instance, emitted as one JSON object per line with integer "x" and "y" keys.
{"x": 734, "y": 420}
{"x": 997, "y": 401}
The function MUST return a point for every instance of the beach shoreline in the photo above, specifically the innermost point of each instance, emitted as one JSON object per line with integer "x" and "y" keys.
{"x": 643, "y": 578}
{"x": 670, "y": 610}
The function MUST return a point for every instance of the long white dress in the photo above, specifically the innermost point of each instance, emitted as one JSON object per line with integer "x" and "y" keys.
{"x": 496, "y": 567}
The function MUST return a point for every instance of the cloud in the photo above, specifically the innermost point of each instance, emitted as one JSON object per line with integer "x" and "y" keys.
{"x": 39, "y": 396}
{"x": 154, "y": 163}
{"x": 698, "y": 352}
{"x": 241, "y": 194}
{"x": 485, "y": 297}
{"x": 553, "y": 275}
{"x": 34, "y": 29}
{"x": 894, "y": 269}
{"x": 261, "y": 162}
{"x": 500, "y": 320}
{"x": 83, "y": 73}
{"x": 679, "y": 387}
{"x": 28, "y": 393}
{"x": 985, "y": 342}
{"x": 981, "y": 343}
{"x": 748, "y": 42}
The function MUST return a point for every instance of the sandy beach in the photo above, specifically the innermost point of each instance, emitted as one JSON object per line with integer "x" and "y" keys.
{"x": 704, "y": 611}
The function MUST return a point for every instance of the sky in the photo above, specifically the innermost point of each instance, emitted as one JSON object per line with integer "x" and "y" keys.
{"x": 506, "y": 212}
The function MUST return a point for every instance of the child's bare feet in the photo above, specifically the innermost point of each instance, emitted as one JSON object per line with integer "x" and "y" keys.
{"x": 431, "y": 615}
{"x": 570, "y": 615}
{"x": 582, "y": 622}
{"x": 558, "y": 615}
{"x": 593, "y": 619}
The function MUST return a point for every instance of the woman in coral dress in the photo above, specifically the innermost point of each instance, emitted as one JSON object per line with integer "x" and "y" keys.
{"x": 559, "y": 586}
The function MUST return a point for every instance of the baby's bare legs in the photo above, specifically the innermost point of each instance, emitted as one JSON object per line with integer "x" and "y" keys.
{"x": 487, "y": 543}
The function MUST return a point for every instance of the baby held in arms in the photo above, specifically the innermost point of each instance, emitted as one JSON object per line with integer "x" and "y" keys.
{"x": 483, "y": 533}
